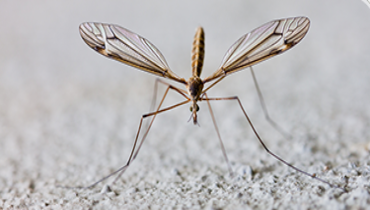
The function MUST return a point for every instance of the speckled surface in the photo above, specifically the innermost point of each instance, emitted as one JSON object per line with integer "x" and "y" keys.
{"x": 68, "y": 116}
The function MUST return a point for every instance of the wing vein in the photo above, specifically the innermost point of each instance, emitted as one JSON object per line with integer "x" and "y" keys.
{"x": 125, "y": 46}
{"x": 262, "y": 43}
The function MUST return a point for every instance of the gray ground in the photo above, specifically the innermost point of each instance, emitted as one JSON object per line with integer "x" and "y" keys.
{"x": 68, "y": 116}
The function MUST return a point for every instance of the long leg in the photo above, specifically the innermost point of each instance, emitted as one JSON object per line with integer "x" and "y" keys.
{"x": 265, "y": 147}
{"x": 154, "y": 99}
{"x": 154, "y": 114}
{"x": 133, "y": 154}
{"x": 264, "y": 108}
{"x": 155, "y": 92}
{"x": 219, "y": 136}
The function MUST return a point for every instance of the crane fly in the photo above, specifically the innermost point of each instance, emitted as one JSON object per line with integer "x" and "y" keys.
{"x": 266, "y": 41}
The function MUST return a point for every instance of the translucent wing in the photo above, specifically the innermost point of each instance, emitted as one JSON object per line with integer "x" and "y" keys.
{"x": 123, "y": 45}
{"x": 262, "y": 43}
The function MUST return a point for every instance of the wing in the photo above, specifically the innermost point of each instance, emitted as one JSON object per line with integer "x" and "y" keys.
{"x": 123, "y": 45}
{"x": 262, "y": 43}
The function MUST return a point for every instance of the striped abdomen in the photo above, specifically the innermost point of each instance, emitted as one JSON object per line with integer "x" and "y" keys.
{"x": 197, "y": 53}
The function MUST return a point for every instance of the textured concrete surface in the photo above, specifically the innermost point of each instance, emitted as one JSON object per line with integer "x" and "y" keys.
{"x": 68, "y": 116}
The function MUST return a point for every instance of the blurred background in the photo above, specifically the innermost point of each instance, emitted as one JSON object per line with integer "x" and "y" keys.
{"x": 69, "y": 116}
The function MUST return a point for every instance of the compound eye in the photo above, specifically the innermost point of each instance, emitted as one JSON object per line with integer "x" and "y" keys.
{"x": 196, "y": 108}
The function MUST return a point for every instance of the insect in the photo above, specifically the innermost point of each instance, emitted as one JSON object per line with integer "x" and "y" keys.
{"x": 260, "y": 44}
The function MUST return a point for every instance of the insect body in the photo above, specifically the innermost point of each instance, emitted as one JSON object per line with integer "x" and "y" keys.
{"x": 264, "y": 42}
{"x": 260, "y": 44}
